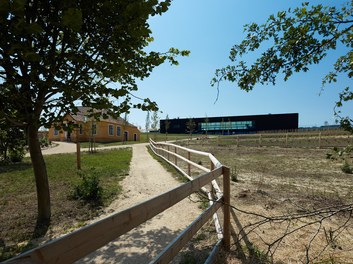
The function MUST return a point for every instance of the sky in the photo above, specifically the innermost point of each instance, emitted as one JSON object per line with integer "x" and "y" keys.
{"x": 209, "y": 28}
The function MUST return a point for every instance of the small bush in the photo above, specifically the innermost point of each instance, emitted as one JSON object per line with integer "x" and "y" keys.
{"x": 89, "y": 190}
{"x": 346, "y": 168}
{"x": 44, "y": 142}
{"x": 17, "y": 154}
{"x": 234, "y": 174}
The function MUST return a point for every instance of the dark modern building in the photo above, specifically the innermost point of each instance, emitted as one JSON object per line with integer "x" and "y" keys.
{"x": 232, "y": 124}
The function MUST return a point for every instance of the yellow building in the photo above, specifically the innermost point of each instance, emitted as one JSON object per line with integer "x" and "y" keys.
{"x": 90, "y": 129}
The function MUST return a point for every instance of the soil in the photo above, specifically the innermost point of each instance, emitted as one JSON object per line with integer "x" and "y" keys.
{"x": 273, "y": 181}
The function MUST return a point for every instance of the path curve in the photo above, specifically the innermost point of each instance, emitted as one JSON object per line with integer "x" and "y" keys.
{"x": 147, "y": 178}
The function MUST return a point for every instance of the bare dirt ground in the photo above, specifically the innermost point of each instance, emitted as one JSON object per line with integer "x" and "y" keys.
{"x": 275, "y": 181}
{"x": 147, "y": 179}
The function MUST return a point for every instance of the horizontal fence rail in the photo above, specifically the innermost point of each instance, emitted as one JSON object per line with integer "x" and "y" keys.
{"x": 162, "y": 149}
{"x": 80, "y": 243}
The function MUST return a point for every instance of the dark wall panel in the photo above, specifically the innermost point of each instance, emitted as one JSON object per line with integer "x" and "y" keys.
{"x": 261, "y": 123}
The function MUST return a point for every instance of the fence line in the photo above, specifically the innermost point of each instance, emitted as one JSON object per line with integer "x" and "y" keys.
{"x": 158, "y": 149}
{"x": 80, "y": 243}
{"x": 300, "y": 140}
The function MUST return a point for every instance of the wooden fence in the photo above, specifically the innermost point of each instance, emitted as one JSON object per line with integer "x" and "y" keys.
{"x": 321, "y": 139}
{"x": 80, "y": 243}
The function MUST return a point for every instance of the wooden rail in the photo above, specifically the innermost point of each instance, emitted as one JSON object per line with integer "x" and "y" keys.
{"x": 161, "y": 147}
{"x": 80, "y": 243}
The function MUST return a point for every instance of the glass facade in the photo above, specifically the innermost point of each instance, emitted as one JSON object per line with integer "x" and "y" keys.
{"x": 227, "y": 125}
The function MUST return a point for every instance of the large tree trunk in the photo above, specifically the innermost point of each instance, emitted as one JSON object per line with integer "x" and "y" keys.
{"x": 41, "y": 176}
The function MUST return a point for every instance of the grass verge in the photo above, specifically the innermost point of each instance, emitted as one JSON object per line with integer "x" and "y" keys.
{"x": 18, "y": 195}
{"x": 171, "y": 169}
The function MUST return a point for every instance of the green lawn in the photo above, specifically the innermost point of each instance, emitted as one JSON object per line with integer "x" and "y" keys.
{"x": 18, "y": 202}
{"x": 144, "y": 138}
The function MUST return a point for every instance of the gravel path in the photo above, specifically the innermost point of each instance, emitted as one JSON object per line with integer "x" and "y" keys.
{"x": 147, "y": 179}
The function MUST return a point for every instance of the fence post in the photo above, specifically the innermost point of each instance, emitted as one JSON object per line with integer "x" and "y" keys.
{"x": 189, "y": 166}
{"x": 319, "y": 140}
{"x": 237, "y": 140}
{"x": 78, "y": 155}
{"x": 168, "y": 153}
{"x": 286, "y": 139}
{"x": 260, "y": 140}
{"x": 176, "y": 159}
{"x": 226, "y": 208}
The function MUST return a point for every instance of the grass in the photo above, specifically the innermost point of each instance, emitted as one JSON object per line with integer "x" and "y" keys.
{"x": 171, "y": 169}
{"x": 144, "y": 138}
{"x": 18, "y": 195}
{"x": 162, "y": 137}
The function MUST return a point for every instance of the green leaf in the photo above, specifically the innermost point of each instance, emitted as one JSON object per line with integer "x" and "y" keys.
{"x": 72, "y": 18}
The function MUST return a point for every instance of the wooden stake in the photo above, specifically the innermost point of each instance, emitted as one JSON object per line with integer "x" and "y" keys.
{"x": 226, "y": 201}
{"x": 78, "y": 155}
{"x": 189, "y": 166}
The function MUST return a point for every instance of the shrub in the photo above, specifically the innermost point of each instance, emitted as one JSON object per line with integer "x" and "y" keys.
{"x": 346, "y": 168}
{"x": 89, "y": 189}
{"x": 17, "y": 154}
{"x": 234, "y": 174}
{"x": 44, "y": 142}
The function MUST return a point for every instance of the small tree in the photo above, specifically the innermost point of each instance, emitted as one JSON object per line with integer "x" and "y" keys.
{"x": 207, "y": 121}
{"x": 166, "y": 126}
{"x": 229, "y": 126}
{"x": 190, "y": 126}
{"x": 148, "y": 121}
{"x": 222, "y": 126}
{"x": 125, "y": 122}
{"x": 155, "y": 120}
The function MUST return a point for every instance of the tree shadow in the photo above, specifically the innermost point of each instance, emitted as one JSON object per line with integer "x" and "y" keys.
{"x": 18, "y": 166}
{"x": 245, "y": 250}
{"x": 136, "y": 246}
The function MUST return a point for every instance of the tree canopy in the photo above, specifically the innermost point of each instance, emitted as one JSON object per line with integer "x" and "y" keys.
{"x": 54, "y": 53}
{"x": 294, "y": 40}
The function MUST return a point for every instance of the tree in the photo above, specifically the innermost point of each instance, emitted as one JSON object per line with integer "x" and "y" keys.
{"x": 166, "y": 126}
{"x": 294, "y": 40}
{"x": 12, "y": 143}
{"x": 125, "y": 123}
{"x": 56, "y": 53}
{"x": 155, "y": 120}
{"x": 207, "y": 121}
{"x": 190, "y": 126}
{"x": 148, "y": 121}
{"x": 297, "y": 39}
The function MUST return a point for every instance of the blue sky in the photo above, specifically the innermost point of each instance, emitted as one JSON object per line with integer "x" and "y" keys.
{"x": 209, "y": 28}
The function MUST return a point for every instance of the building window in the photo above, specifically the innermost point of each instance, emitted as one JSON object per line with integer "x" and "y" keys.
{"x": 111, "y": 130}
{"x": 118, "y": 131}
{"x": 56, "y": 132}
{"x": 94, "y": 129}
{"x": 231, "y": 125}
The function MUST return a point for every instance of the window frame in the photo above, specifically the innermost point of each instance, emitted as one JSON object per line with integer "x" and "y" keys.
{"x": 110, "y": 130}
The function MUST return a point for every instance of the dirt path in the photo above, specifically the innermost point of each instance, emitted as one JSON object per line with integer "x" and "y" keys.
{"x": 147, "y": 179}
{"x": 70, "y": 147}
